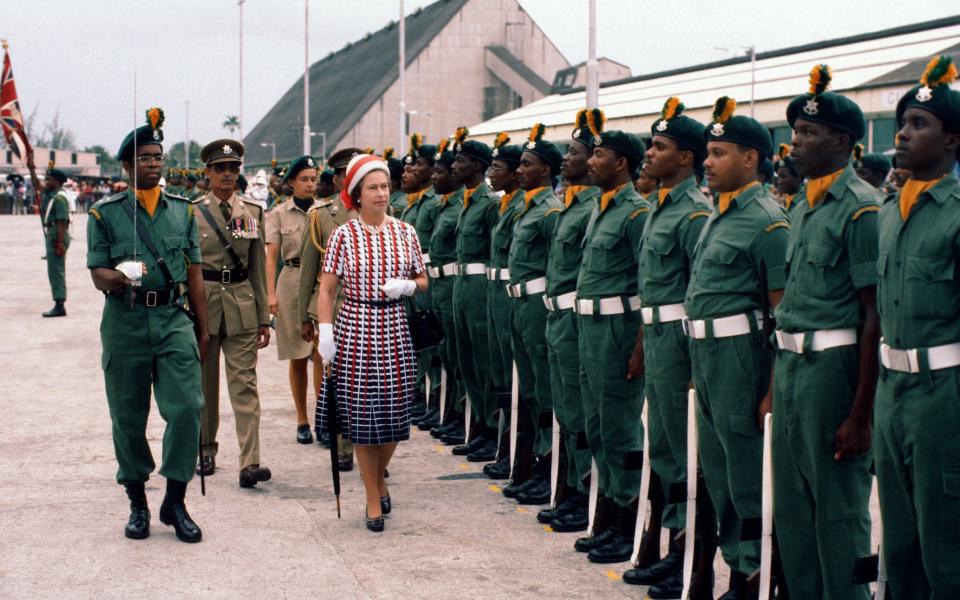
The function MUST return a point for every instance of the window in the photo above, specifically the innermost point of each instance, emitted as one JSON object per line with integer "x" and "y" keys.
{"x": 517, "y": 101}
{"x": 884, "y": 130}
{"x": 489, "y": 102}
{"x": 73, "y": 158}
{"x": 53, "y": 156}
{"x": 781, "y": 135}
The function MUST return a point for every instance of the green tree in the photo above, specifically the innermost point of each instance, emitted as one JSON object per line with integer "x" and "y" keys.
{"x": 232, "y": 124}
{"x": 109, "y": 165}
{"x": 175, "y": 158}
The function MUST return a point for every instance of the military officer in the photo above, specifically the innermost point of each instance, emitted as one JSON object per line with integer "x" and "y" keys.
{"x": 322, "y": 219}
{"x": 55, "y": 209}
{"x": 608, "y": 319}
{"x": 670, "y": 234}
{"x": 871, "y": 167}
{"x": 563, "y": 349}
{"x": 826, "y": 366}
{"x": 788, "y": 181}
{"x": 232, "y": 247}
{"x": 737, "y": 273}
{"x": 539, "y": 166}
{"x": 916, "y": 418}
{"x": 148, "y": 338}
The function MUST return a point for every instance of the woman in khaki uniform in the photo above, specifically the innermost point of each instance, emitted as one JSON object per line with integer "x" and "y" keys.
{"x": 285, "y": 226}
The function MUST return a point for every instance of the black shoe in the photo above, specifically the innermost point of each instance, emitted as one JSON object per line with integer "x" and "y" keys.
{"x": 385, "y": 505}
{"x": 443, "y": 429}
{"x": 669, "y": 588}
{"x": 564, "y": 507}
{"x": 485, "y": 453}
{"x": 617, "y": 549}
{"x": 323, "y": 438}
{"x": 499, "y": 469}
{"x": 57, "y": 311}
{"x": 345, "y": 463}
{"x": 138, "y": 525}
{"x": 571, "y": 522}
{"x": 252, "y": 475}
{"x": 538, "y": 494}
{"x": 386, "y": 474}
{"x": 376, "y": 524}
{"x": 208, "y": 466}
{"x": 471, "y": 447}
{"x": 512, "y": 490}
{"x": 658, "y": 572}
{"x": 176, "y": 515}
{"x": 303, "y": 434}
{"x": 454, "y": 438}
{"x": 429, "y": 420}
{"x": 586, "y": 544}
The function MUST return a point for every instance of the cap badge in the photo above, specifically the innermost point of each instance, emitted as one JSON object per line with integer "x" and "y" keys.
{"x": 811, "y": 107}
{"x": 597, "y": 140}
{"x": 662, "y": 125}
{"x": 408, "y": 159}
{"x": 531, "y": 145}
{"x": 227, "y": 149}
{"x": 437, "y": 156}
{"x": 716, "y": 130}
{"x": 924, "y": 94}
{"x": 496, "y": 152}
{"x": 576, "y": 132}
{"x": 156, "y": 135}
{"x": 310, "y": 162}
{"x": 459, "y": 147}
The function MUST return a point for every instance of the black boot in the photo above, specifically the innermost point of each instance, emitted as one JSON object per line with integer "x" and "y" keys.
{"x": 485, "y": 453}
{"x": 659, "y": 570}
{"x": 575, "y": 519}
{"x": 173, "y": 512}
{"x": 478, "y": 442}
{"x": 602, "y": 528}
{"x": 138, "y": 525}
{"x": 620, "y": 546}
{"x": 57, "y": 311}
{"x": 563, "y": 507}
{"x": 739, "y": 589}
{"x": 537, "y": 491}
{"x": 499, "y": 469}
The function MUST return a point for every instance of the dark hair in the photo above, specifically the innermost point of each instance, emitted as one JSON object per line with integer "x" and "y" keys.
{"x": 633, "y": 163}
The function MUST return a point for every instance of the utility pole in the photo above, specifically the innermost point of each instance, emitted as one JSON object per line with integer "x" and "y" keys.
{"x": 403, "y": 83}
{"x": 306, "y": 76}
{"x": 593, "y": 71}
{"x": 186, "y": 142}
{"x": 240, "y": 118}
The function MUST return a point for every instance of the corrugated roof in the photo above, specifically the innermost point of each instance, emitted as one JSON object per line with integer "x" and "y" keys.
{"x": 345, "y": 84}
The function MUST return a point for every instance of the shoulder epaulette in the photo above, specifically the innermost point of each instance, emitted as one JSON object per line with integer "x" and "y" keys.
{"x": 252, "y": 203}
{"x": 95, "y": 214}
{"x": 114, "y": 198}
{"x": 174, "y": 196}
{"x": 864, "y": 209}
{"x": 698, "y": 213}
{"x": 776, "y": 225}
{"x": 550, "y": 211}
{"x": 638, "y": 212}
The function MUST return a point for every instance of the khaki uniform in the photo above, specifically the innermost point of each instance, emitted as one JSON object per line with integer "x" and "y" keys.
{"x": 236, "y": 307}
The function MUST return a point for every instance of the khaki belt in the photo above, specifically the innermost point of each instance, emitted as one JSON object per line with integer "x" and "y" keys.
{"x": 446, "y": 270}
{"x": 561, "y": 302}
{"x": 498, "y": 274}
{"x": 471, "y": 269}
{"x": 823, "y": 339}
{"x": 665, "y": 313}
{"x": 723, "y": 327}
{"x": 908, "y": 361}
{"x": 612, "y": 305}
{"x": 527, "y": 288}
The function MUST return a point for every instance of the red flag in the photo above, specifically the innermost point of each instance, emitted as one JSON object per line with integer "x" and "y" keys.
{"x": 10, "y": 115}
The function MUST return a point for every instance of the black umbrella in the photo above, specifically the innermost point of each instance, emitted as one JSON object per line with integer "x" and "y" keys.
{"x": 333, "y": 428}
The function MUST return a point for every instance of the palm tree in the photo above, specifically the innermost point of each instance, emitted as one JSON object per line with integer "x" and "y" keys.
{"x": 232, "y": 123}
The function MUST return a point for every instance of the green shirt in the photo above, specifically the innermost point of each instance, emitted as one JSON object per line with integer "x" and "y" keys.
{"x": 919, "y": 286}
{"x": 566, "y": 246}
{"x": 398, "y": 202}
{"x": 831, "y": 253}
{"x": 531, "y": 236}
{"x": 111, "y": 237}
{"x": 474, "y": 225}
{"x": 502, "y": 233}
{"x": 670, "y": 236}
{"x": 443, "y": 241}
{"x": 736, "y": 251}
{"x": 422, "y": 215}
{"x": 54, "y": 206}
{"x": 611, "y": 244}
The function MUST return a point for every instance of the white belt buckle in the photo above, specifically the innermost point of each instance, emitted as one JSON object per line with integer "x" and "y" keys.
{"x": 790, "y": 342}
{"x": 151, "y": 299}
{"x": 904, "y": 361}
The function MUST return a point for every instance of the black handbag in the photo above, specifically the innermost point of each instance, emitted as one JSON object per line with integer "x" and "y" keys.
{"x": 425, "y": 329}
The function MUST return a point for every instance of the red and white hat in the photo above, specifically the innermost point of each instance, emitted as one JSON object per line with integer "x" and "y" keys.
{"x": 358, "y": 168}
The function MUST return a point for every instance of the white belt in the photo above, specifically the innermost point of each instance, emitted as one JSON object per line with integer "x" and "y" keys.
{"x": 907, "y": 361}
{"x": 666, "y": 313}
{"x": 426, "y": 258}
{"x": 471, "y": 269}
{"x": 498, "y": 274}
{"x": 561, "y": 302}
{"x": 823, "y": 339}
{"x": 440, "y": 272}
{"x": 527, "y": 288}
{"x": 722, "y": 327}
{"x": 613, "y": 305}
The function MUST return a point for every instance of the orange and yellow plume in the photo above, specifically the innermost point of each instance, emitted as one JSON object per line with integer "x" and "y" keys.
{"x": 501, "y": 140}
{"x": 783, "y": 151}
{"x": 858, "y": 152}
{"x": 416, "y": 140}
{"x": 387, "y": 153}
{"x": 442, "y": 146}
{"x": 536, "y": 132}
{"x": 940, "y": 71}
{"x": 672, "y": 108}
{"x": 155, "y": 117}
{"x": 723, "y": 109}
{"x": 820, "y": 77}
{"x": 595, "y": 121}
{"x": 460, "y": 135}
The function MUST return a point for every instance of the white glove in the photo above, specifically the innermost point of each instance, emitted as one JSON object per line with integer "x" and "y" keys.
{"x": 394, "y": 288}
{"x": 325, "y": 344}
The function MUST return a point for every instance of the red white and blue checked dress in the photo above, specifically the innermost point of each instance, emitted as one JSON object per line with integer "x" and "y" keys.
{"x": 375, "y": 364}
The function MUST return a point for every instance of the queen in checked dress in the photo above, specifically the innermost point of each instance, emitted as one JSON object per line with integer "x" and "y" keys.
{"x": 377, "y": 260}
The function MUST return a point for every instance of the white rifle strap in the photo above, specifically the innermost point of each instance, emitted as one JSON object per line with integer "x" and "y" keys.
{"x": 443, "y": 391}
{"x": 644, "y": 488}
{"x": 514, "y": 408}
{"x": 594, "y": 492}
{"x": 766, "y": 507}
{"x": 426, "y": 381}
{"x": 881, "y": 576}
{"x": 555, "y": 461}
{"x": 466, "y": 418}
{"x": 501, "y": 425}
{"x": 690, "y": 537}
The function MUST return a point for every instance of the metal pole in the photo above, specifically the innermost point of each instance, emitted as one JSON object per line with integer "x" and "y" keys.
{"x": 403, "y": 84}
{"x": 186, "y": 141}
{"x": 306, "y": 76}
{"x": 753, "y": 75}
{"x": 593, "y": 74}
{"x": 240, "y": 118}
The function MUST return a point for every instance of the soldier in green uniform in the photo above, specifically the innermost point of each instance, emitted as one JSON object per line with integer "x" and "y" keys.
{"x": 539, "y": 166}
{"x": 871, "y": 167}
{"x": 788, "y": 181}
{"x": 737, "y": 273}
{"x": 645, "y": 184}
{"x": 670, "y": 235}
{"x": 174, "y": 182}
{"x": 608, "y": 317}
{"x": 503, "y": 179}
{"x": 398, "y": 199}
{"x": 325, "y": 185}
{"x": 917, "y": 418}
{"x": 190, "y": 191}
{"x": 148, "y": 338}
{"x": 826, "y": 366}
{"x": 478, "y": 215}
{"x": 322, "y": 219}
{"x": 55, "y": 209}
{"x": 563, "y": 348}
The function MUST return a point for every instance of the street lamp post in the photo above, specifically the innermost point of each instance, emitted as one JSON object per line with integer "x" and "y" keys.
{"x": 240, "y": 117}
{"x": 402, "y": 79}
{"x": 323, "y": 141}
{"x": 593, "y": 71}
{"x": 273, "y": 149}
{"x": 186, "y": 140}
{"x": 306, "y": 76}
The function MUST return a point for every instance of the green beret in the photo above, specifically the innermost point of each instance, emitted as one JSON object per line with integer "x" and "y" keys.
{"x": 934, "y": 94}
{"x": 279, "y": 170}
{"x": 143, "y": 135}
{"x": 827, "y": 108}
{"x": 686, "y": 132}
{"x": 767, "y": 169}
{"x": 396, "y": 167}
{"x": 874, "y": 160}
{"x": 745, "y": 131}
{"x": 478, "y": 151}
{"x": 57, "y": 174}
{"x": 301, "y": 164}
{"x": 326, "y": 176}
{"x": 426, "y": 151}
{"x": 192, "y": 177}
{"x": 219, "y": 151}
{"x": 625, "y": 143}
{"x": 444, "y": 155}
{"x": 588, "y": 121}
{"x": 783, "y": 160}
{"x": 544, "y": 149}
{"x": 509, "y": 154}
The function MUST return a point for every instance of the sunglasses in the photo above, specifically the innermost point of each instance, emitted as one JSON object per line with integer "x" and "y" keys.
{"x": 221, "y": 167}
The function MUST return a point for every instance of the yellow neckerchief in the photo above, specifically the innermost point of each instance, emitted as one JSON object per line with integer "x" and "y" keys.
{"x": 788, "y": 200}
{"x": 445, "y": 199}
{"x": 606, "y": 197}
{"x": 466, "y": 196}
{"x": 910, "y": 194}
{"x": 149, "y": 199}
{"x": 414, "y": 197}
{"x": 723, "y": 202}
{"x": 571, "y": 193}
{"x": 528, "y": 197}
{"x": 817, "y": 188}
{"x": 662, "y": 195}
{"x": 505, "y": 201}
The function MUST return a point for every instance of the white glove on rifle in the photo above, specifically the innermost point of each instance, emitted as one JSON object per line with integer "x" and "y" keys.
{"x": 394, "y": 288}
{"x": 325, "y": 344}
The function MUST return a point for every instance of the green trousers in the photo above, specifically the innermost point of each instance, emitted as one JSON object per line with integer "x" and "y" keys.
{"x": 441, "y": 296}
{"x": 563, "y": 352}
{"x": 612, "y": 404}
{"x": 426, "y": 359}
{"x": 666, "y": 358}
{"x": 56, "y": 267}
{"x": 822, "y": 505}
{"x": 146, "y": 348}
{"x": 528, "y": 333}
{"x": 498, "y": 326}
{"x": 473, "y": 343}
{"x": 731, "y": 376}
{"x": 917, "y": 421}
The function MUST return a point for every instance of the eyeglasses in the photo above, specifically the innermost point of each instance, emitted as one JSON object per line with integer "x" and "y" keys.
{"x": 499, "y": 168}
{"x": 221, "y": 167}
{"x": 146, "y": 159}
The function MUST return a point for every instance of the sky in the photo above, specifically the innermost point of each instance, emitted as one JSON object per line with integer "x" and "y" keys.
{"x": 78, "y": 59}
